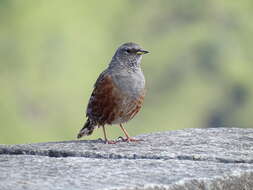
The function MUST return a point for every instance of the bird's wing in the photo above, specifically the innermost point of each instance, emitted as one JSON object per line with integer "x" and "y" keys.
{"x": 101, "y": 77}
{"x": 102, "y": 105}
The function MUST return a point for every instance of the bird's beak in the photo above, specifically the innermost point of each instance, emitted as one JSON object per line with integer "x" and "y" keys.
{"x": 141, "y": 52}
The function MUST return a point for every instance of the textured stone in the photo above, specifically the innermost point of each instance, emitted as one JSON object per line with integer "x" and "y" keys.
{"x": 184, "y": 159}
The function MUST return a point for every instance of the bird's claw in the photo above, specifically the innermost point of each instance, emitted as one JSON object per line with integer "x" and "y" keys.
{"x": 100, "y": 139}
{"x": 121, "y": 139}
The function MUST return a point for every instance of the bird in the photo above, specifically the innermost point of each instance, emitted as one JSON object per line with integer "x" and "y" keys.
{"x": 118, "y": 92}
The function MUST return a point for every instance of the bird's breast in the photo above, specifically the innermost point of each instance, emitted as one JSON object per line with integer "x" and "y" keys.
{"x": 131, "y": 84}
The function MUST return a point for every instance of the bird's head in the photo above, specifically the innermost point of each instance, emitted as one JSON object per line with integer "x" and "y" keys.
{"x": 129, "y": 54}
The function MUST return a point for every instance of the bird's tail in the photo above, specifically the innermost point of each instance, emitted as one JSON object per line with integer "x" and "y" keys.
{"x": 87, "y": 129}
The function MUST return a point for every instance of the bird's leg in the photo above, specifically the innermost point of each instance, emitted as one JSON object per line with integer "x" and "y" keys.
{"x": 128, "y": 138}
{"x": 106, "y": 140}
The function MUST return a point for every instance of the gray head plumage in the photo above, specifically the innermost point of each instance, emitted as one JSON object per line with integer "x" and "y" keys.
{"x": 128, "y": 55}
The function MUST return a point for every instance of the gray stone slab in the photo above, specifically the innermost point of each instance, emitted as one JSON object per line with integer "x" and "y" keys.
{"x": 22, "y": 172}
{"x": 188, "y": 159}
{"x": 221, "y": 145}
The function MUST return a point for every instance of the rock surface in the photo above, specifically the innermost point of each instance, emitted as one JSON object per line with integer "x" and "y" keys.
{"x": 191, "y": 159}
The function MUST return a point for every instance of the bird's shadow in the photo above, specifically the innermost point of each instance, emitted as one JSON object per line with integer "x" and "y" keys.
{"x": 95, "y": 141}
{"x": 78, "y": 141}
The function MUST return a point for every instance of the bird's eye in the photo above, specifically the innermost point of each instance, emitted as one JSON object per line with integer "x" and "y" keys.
{"x": 128, "y": 50}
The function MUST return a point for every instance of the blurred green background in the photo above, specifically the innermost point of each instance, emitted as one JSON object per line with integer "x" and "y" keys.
{"x": 199, "y": 72}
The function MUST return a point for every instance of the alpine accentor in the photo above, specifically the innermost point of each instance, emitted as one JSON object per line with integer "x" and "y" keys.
{"x": 118, "y": 92}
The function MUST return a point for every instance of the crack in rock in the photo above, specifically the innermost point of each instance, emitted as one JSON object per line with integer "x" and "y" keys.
{"x": 61, "y": 154}
{"x": 216, "y": 145}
